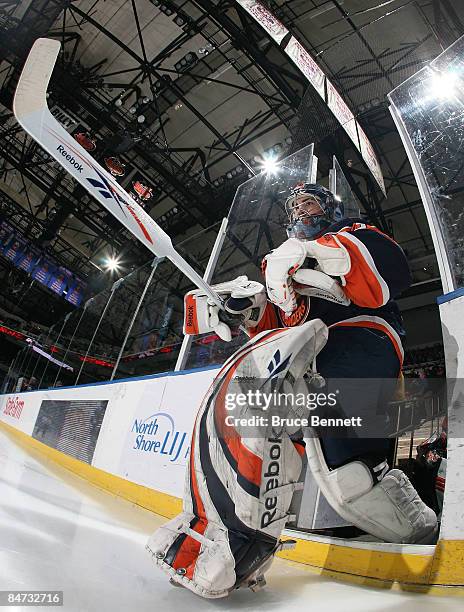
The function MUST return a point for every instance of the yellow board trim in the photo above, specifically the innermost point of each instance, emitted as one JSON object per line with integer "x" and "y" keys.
{"x": 156, "y": 501}
{"x": 448, "y": 563}
{"x": 440, "y": 574}
{"x": 381, "y": 565}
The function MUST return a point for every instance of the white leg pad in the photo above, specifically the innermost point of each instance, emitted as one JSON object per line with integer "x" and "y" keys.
{"x": 215, "y": 567}
{"x": 240, "y": 482}
{"x": 390, "y": 510}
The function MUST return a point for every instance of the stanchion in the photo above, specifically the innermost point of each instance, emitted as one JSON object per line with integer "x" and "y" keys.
{"x": 56, "y": 342}
{"x": 45, "y": 346}
{"x": 208, "y": 275}
{"x": 115, "y": 286}
{"x": 71, "y": 340}
{"x": 154, "y": 264}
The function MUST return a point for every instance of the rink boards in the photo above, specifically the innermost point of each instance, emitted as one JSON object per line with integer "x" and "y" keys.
{"x": 132, "y": 437}
{"x": 144, "y": 434}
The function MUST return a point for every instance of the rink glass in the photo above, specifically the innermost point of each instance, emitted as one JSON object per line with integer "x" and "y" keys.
{"x": 428, "y": 110}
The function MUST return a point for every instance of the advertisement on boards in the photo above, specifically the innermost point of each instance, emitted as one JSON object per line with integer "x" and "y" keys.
{"x": 20, "y": 410}
{"x": 157, "y": 444}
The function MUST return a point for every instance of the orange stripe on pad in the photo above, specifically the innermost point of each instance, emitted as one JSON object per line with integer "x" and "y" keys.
{"x": 188, "y": 552}
{"x": 300, "y": 447}
{"x": 249, "y": 465}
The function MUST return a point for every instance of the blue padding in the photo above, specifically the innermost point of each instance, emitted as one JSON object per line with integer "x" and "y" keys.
{"x": 120, "y": 380}
{"x": 452, "y": 295}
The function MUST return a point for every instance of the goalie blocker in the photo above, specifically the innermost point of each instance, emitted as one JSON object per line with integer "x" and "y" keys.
{"x": 244, "y": 304}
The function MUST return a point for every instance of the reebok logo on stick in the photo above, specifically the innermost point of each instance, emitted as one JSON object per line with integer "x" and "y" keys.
{"x": 69, "y": 158}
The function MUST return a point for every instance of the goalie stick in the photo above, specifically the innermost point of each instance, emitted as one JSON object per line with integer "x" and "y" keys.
{"x": 31, "y": 111}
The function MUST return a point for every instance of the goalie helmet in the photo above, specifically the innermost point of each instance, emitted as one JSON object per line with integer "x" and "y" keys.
{"x": 311, "y": 209}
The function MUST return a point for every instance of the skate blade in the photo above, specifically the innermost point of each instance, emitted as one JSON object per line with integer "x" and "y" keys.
{"x": 257, "y": 584}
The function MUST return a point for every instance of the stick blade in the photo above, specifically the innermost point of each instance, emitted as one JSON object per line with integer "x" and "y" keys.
{"x": 31, "y": 91}
{"x": 31, "y": 110}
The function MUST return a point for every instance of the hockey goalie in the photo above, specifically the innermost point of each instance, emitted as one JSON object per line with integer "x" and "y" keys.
{"x": 325, "y": 311}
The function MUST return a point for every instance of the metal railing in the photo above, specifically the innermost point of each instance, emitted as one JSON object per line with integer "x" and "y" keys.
{"x": 415, "y": 420}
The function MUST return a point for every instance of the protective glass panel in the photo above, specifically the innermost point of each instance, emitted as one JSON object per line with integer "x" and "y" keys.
{"x": 340, "y": 187}
{"x": 257, "y": 224}
{"x": 431, "y": 107}
{"x": 112, "y": 332}
{"x": 155, "y": 334}
{"x": 131, "y": 328}
{"x": 93, "y": 353}
{"x": 38, "y": 356}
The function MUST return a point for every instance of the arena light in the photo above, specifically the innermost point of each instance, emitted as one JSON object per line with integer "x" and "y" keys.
{"x": 444, "y": 84}
{"x": 112, "y": 264}
{"x": 189, "y": 60}
{"x": 180, "y": 20}
{"x": 269, "y": 165}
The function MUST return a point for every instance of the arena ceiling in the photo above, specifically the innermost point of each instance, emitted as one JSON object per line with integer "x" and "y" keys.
{"x": 216, "y": 93}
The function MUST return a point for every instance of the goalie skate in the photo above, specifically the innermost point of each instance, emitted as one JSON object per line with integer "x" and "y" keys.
{"x": 255, "y": 581}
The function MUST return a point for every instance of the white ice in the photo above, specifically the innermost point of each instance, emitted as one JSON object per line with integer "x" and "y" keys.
{"x": 58, "y": 532}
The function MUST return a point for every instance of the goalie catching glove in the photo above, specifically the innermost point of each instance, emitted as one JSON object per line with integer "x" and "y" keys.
{"x": 244, "y": 304}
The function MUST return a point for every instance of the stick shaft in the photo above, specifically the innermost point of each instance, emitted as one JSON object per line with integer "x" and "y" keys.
{"x": 31, "y": 111}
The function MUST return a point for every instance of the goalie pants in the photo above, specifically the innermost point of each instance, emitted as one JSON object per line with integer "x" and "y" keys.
{"x": 367, "y": 358}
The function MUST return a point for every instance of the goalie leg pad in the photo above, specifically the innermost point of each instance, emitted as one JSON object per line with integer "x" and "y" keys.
{"x": 239, "y": 486}
{"x": 391, "y": 509}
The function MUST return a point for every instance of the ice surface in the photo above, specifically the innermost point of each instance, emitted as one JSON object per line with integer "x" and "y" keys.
{"x": 58, "y": 532}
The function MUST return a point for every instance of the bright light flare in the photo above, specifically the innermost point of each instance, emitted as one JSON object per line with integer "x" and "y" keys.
{"x": 444, "y": 84}
{"x": 112, "y": 264}
{"x": 270, "y": 165}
